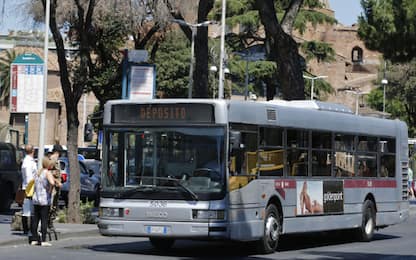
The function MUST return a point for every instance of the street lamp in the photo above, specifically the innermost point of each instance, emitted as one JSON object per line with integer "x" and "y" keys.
{"x": 214, "y": 69}
{"x": 313, "y": 80}
{"x": 357, "y": 93}
{"x": 384, "y": 82}
{"x": 193, "y": 28}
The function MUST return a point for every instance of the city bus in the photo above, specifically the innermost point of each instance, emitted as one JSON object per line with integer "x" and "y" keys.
{"x": 248, "y": 171}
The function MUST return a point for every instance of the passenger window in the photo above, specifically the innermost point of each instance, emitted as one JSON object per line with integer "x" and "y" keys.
{"x": 387, "y": 148}
{"x": 244, "y": 158}
{"x": 367, "y": 166}
{"x": 344, "y": 155}
{"x": 367, "y": 144}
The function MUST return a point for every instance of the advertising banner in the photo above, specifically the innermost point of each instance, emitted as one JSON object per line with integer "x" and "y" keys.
{"x": 319, "y": 197}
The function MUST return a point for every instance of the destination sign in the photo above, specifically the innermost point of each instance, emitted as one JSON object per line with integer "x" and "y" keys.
{"x": 162, "y": 113}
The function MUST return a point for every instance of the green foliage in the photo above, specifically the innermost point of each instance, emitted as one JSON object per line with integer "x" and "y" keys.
{"x": 318, "y": 50}
{"x": 5, "y": 66}
{"x": 244, "y": 14}
{"x": 106, "y": 77}
{"x": 389, "y": 26}
{"x": 85, "y": 212}
{"x": 400, "y": 93}
{"x": 172, "y": 64}
{"x": 306, "y": 16}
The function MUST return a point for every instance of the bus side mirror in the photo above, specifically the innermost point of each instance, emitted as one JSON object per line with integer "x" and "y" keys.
{"x": 235, "y": 140}
{"x": 88, "y": 130}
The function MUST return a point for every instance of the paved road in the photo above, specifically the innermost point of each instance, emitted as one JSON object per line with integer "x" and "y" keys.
{"x": 395, "y": 242}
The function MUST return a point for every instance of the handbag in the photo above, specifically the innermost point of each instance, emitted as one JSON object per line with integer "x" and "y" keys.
{"x": 20, "y": 196}
{"x": 30, "y": 188}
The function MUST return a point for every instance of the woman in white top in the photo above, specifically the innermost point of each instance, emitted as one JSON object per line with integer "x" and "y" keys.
{"x": 44, "y": 183}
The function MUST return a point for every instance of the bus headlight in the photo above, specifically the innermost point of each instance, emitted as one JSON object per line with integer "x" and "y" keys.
{"x": 111, "y": 212}
{"x": 208, "y": 214}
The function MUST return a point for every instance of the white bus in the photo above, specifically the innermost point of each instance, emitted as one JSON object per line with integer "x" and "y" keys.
{"x": 248, "y": 171}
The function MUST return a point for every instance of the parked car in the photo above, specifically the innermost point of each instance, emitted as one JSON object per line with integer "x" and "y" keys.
{"x": 89, "y": 181}
{"x": 10, "y": 175}
{"x": 89, "y": 152}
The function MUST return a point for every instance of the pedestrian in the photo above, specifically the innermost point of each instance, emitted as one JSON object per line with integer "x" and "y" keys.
{"x": 44, "y": 183}
{"x": 29, "y": 170}
{"x": 54, "y": 154}
{"x": 410, "y": 183}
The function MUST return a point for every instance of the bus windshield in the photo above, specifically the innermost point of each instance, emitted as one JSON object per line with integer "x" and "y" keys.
{"x": 172, "y": 163}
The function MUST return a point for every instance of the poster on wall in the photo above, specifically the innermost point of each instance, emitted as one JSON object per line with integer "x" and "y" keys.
{"x": 319, "y": 197}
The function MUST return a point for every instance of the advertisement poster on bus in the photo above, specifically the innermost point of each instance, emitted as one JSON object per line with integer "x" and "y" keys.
{"x": 319, "y": 197}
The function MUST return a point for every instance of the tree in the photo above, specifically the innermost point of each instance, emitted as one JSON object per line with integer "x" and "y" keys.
{"x": 73, "y": 77}
{"x": 400, "y": 93}
{"x": 279, "y": 19}
{"x": 384, "y": 22}
{"x": 5, "y": 66}
{"x": 172, "y": 63}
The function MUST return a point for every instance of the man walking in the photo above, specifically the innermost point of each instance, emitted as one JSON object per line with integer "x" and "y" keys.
{"x": 29, "y": 170}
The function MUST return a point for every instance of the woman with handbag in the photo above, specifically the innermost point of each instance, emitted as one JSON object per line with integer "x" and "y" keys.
{"x": 42, "y": 197}
{"x": 29, "y": 170}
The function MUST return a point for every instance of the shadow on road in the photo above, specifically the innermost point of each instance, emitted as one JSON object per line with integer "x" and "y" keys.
{"x": 232, "y": 250}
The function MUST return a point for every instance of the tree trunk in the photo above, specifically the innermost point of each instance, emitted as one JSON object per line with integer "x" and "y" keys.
{"x": 200, "y": 75}
{"x": 72, "y": 94}
{"x": 282, "y": 49}
{"x": 73, "y": 215}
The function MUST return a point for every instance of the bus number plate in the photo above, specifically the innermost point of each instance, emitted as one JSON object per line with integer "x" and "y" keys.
{"x": 158, "y": 203}
{"x": 156, "y": 230}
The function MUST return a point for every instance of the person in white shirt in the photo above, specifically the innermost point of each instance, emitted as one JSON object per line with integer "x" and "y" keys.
{"x": 29, "y": 170}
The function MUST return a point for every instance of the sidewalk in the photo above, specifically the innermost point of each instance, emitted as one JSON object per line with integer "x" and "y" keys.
{"x": 63, "y": 230}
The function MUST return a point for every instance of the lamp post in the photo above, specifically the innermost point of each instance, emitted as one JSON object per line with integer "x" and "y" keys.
{"x": 357, "y": 93}
{"x": 214, "y": 69}
{"x": 313, "y": 80}
{"x": 193, "y": 28}
{"x": 384, "y": 82}
{"x": 222, "y": 52}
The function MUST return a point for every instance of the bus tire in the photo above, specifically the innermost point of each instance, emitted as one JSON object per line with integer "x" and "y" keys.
{"x": 272, "y": 227}
{"x": 161, "y": 244}
{"x": 368, "y": 224}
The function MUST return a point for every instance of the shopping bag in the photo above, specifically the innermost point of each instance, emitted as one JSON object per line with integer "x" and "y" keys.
{"x": 30, "y": 188}
{"x": 20, "y": 196}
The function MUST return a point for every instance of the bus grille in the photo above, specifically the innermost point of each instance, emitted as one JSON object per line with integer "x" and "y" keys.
{"x": 404, "y": 170}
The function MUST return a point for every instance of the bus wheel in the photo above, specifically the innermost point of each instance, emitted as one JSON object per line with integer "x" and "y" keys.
{"x": 162, "y": 244}
{"x": 368, "y": 225}
{"x": 268, "y": 244}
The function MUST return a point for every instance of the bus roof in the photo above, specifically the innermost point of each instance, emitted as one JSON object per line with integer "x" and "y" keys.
{"x": 296, "y": 114}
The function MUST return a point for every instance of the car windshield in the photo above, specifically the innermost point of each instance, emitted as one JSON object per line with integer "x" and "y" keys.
{"x": 185, "y": 160}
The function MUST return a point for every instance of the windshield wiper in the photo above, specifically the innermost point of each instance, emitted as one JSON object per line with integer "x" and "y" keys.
{"x": 142, "y": 188}
{"x": 179, "y": 183}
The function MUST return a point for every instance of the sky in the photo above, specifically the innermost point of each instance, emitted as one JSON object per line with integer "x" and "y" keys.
{"x": 346, "y": 11}
{"x": 13, "y": 17}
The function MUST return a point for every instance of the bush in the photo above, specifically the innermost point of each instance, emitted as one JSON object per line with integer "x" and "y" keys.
{"x": 85, "y": 212}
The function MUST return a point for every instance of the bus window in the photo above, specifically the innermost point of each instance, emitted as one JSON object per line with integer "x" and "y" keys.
{"x": 243, "y": 159}
{"x": 114, "y": 176}
{"x": 344, "y": 155}
{"x": 367, "y": 166}
{"x": 321, "y": 163}
{"x": 271, "y": 155}
{"x": 387, "y": 147}
{"x": 321, "y": 153}
{"x": 297, "y": 152}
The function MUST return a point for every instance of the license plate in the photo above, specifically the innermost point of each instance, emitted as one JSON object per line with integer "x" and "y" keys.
{"x": 157, "y": 230}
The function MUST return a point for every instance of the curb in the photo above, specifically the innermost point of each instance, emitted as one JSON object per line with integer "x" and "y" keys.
{"x": 24, "y": 240}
